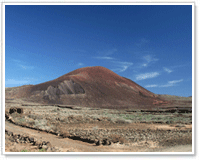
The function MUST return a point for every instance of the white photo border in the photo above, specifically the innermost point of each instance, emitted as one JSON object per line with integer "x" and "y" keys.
{"x": 99, "y": 153}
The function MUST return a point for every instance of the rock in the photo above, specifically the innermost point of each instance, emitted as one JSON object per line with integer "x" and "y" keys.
{"x": 40, "y": 146}
{"x": 18, "y": 110}
{"x": 49, "y": 149}
{"x": 15, "y": 137}
{"x": 12, "y": 139}
{"x": 99, "y": 143}
{"x": 6, "y": 116}
{"x": 51, "y": 131}
{"x": 33, "y": 147}
{"x": 31, "y": 139}
{"x": 108, "y": 142}
{"x": 44, "y": 143}
{"x": 45, "y": 147}
{"x": 53, "y": 149}
{"x": 95, "y": 141}
{"x": 62, "y": 150}
{"x": 48, "y": 144}
{"x": 10, "y": 133}
{"x": 27, "y": 139}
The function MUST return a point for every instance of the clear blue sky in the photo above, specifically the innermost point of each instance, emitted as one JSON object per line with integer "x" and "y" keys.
{"x": 151, "y": 45}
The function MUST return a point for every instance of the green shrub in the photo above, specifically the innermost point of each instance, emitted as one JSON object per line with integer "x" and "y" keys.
{"x": 24, "y": 150}
{"x": 42, "y": 150}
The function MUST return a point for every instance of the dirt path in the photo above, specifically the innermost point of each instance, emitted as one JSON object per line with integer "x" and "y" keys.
{"x": 66, "y": 143}
{"x": 54, "y": 140}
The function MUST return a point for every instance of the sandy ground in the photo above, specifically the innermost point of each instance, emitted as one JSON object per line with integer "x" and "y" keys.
{"x": 180, "y": 148}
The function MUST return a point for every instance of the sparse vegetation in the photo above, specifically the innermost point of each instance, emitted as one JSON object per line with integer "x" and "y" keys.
{"x": 54, "y": 110}
{"x": 24, "y": 150}
{"x": 152, "y": 117}
{"x": 42, "y": 150}
{"x": 102, "y": 126}
{"x": 22, "y": 120}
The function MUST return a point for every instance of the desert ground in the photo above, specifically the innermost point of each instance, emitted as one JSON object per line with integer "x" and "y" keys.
{"x": 36, "y": 127}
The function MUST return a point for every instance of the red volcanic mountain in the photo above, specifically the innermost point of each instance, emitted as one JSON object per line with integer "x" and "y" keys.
{"x": 90, "y": 87}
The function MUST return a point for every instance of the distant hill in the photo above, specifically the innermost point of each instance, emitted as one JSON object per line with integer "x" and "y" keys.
{"x": 173, "y": 97}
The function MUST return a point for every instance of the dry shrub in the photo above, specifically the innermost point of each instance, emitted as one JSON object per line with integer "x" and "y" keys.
{"x": 56, "y": 128}
{"x": 117, "y": 138}
{"x": 79, "y": 118}
{"x": 36, "y": 117}
{"x": 64, "y": 134}
{"x": 31, "y": 123}
{"x": 15, "y": 115}
{"x": 120, "y": 121}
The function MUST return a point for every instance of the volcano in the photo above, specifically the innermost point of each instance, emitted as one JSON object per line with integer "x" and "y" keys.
{"x": 90, "y": 87}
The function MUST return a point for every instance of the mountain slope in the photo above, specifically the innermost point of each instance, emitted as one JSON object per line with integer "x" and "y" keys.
{"x": 90, "y": 87}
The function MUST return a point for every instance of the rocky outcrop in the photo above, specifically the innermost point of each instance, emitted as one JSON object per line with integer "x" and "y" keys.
{"x": 16, "y": 110}
{"x": 66, "y": 87}
{"x": 18, "y": 138}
